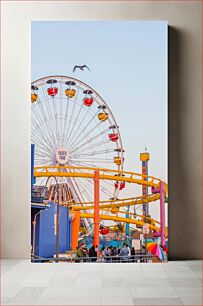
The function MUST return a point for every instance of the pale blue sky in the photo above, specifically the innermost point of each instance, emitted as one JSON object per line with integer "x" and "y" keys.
{"x": 128, "y": 62}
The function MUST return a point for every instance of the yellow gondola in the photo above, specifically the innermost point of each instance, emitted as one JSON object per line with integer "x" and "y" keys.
{"x": 34, "y": 97}
{"x": 103, "y": 116}
{"x": 117, "y": 160}
{"x": 115, "y": 210}
{"x": 70, "y": 93}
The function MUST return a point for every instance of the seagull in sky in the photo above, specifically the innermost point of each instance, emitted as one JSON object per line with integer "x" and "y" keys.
{"x": 81, "y": 67}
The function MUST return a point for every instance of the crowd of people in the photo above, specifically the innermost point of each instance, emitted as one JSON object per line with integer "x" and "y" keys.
{"x": 106, "y": 254}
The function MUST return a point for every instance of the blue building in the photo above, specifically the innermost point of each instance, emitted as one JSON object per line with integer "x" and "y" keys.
{"x": 43, "y": 229}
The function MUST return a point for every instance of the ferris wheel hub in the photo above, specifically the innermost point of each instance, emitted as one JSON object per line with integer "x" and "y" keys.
{"x": 62, "y": 156}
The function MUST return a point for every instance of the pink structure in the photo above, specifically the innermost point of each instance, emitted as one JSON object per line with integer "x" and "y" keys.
{"x": 96, "y": 208}
{"x": 162, "y": 213}
{"x": 162, "y": 210}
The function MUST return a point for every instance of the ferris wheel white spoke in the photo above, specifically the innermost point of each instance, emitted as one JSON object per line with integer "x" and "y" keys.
{"x": 52, "y": 127}
{"x": 39, "y": 149}
{"x": 71, "y": 117}
{"x": 93, "y": 159}
{"x": 66, "y": 116}
{"x": 88, "y": 141}
{"x": 75, "y": 143}
{"x": 51, "y": 115}
{"x": 46, "y": 119}
{"x": 109, "y": 183}
{"x": 36, "y": 138}
{"x": 38, "y": 126}
{"x": 93, "y": 153}
{"x": 86, "y": 187}
{"x": 41, "y": 154}
{"x": 73, "y": 183}
{"x": 79, "y": 164}
{"x": 95, "y": 145}
{"x": 87, "y": 190}
{"x": 83, "y": 119}
{"x": 40, "y": 144}
{"x": 74, "y": 124}
{"x": 56, "y": 121}
{"x": 42, "y": 151}
{"x": 102, "y": 187}
{"x": 42, "y": 162}
{"x": 77, "y": 187}
{"x": 83, "y": 129}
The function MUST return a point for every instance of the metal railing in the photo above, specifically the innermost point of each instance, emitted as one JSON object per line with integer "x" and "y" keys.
{"x": 139, "y": 258}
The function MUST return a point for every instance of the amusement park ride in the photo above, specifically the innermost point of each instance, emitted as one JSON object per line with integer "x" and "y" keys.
{"x": 78, "y": 158}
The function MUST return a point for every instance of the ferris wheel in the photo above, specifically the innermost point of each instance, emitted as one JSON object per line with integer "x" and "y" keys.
{"x": 72, "y": 125}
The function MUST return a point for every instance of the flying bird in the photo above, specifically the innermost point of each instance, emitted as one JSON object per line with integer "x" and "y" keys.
{"x": 81, "y": 67}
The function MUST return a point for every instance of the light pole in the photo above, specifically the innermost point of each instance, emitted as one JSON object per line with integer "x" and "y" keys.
{"x": 57, "y": 216}
{"x": 34, "y": 232}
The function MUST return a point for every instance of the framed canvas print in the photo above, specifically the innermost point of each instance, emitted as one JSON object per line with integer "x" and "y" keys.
{"x": 99, "y": 141}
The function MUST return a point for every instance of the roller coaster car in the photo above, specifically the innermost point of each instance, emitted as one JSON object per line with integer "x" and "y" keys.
{"x": 103, "y": 116}
{"x": 70, "y": 93}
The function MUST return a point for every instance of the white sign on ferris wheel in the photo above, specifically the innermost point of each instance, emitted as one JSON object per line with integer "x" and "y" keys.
{"x": 62, "y": 156}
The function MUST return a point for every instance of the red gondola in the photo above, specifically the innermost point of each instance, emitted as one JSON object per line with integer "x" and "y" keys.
{"x": 121, "y": 186}
{"x": 113, "y": 137}
{"x": 88, "y": 101}
{"x": 52, "y": 91}
{"x": 104, "y": 231}
{"x": 116, "y": 185}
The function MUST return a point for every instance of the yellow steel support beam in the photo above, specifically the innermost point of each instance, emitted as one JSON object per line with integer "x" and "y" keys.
{"x": 121, "y": 203}
{"x": 112, "y": 175}
{"x": 120, "y": 219}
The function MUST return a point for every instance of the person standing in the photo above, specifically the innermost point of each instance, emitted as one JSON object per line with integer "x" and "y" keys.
{"x": 124, "y": 253}
{"x": 133, "y": 254}
{"x": 93, "y": 254}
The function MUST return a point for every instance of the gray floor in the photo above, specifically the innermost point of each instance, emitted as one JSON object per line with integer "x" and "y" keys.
{"x": 173, "y": 283}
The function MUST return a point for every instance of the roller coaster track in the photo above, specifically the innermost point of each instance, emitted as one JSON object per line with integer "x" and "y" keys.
{"x": 120, "y": 219}
{"x": 106, "y": 174}
{"x": 118, "y": 203}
